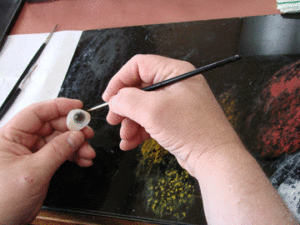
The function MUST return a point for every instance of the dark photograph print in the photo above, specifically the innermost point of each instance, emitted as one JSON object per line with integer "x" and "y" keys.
{"x": 259, "y": 94}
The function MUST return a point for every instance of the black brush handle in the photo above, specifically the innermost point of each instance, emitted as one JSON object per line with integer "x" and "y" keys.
{"x": 191, "y": 74}
{"x": 9, "y": 102}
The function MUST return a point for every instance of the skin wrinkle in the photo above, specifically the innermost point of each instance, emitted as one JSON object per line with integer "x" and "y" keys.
{"x": 15, "y": 149}
{"x": 40, "y": 143}
{"x": 33, "y": 198}
{"x": 86, "y": 155}
{"x": 17, "y": 142}
{"x": 57, "y": 150}
{"x": 51, "y": 136}
{"x": 45, "y": 129}
{"x": 145, "y": 70}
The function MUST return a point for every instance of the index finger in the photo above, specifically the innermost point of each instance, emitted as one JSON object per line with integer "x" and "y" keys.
{"x": 32, "y": 118}
{"x": 145, "y": 70}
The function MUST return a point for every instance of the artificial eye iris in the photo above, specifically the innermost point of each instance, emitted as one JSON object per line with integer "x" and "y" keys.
{"x": 77, "y": 119}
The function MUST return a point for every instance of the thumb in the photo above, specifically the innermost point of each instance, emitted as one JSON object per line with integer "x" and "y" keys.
{"x": 134, "y": 104}
{"x": 58, "y": 150}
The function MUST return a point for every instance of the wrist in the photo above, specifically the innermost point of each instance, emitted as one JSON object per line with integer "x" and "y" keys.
{"x": 234, "y": 189}
{"x": 200, "y": 162}
{"x": 229, "y": 157}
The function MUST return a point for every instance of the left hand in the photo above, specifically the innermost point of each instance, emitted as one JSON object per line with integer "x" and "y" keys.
{"x": 33, "y": 145}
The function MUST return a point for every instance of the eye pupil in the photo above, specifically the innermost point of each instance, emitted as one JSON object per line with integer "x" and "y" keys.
{"x": 79, "y": 117}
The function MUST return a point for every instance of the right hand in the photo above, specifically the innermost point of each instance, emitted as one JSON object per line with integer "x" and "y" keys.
{"x": 184, "y": 118}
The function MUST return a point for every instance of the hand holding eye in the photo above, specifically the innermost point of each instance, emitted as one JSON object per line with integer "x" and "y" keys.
{"x": 33, "y": 145}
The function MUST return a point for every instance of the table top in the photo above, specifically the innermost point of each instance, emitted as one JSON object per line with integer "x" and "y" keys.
{"x": 91, "y": 14}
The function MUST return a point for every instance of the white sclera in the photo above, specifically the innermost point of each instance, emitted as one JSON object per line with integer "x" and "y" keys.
{"x": 73, "y": 123}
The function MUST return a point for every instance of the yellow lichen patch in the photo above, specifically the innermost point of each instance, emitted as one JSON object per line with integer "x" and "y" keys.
{"x": 229, "y": 105}
{"x": 152, "y": 155}
{"x": 168, "y": 189}
{"x": 153, "y": 151}
{"x": 170, "y": 195}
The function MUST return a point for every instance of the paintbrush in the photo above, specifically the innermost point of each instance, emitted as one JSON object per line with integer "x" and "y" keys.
{"x": 16, "y": 90}
{"x": 181, "y": 77}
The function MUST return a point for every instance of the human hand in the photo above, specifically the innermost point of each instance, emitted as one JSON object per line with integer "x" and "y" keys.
{"x": 33, "y": 145}
{"x": 184, "y": 118}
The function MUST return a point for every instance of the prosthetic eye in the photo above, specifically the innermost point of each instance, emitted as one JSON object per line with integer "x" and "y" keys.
{"x": 77, "y": 119}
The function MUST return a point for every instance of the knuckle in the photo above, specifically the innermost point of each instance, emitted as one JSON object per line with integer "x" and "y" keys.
{"x": 123, "y": 97}
{"x": 137, "y": 57}
{"x": 123, "y": 92}
{"x": 185, "y": 66}
{"x": 189, "y": 65}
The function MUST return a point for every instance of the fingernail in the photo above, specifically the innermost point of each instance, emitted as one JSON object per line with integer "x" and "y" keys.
{"x": 75, "y": 140}
{"x": 104, "y": 96}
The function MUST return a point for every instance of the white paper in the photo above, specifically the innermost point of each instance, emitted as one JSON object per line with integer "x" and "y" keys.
{"x": 45, "y": 81}
{"x": 288, "y": 6}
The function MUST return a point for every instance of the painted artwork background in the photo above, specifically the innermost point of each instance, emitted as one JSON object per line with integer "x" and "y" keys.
{"x": 147, "y": 183}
